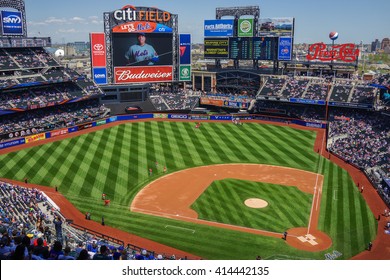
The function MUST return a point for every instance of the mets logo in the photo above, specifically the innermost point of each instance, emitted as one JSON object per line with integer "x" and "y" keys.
{"x": 98, "y": 47}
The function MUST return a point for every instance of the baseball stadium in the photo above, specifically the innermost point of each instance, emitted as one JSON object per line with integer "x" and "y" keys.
{"x": 161, "y": 161}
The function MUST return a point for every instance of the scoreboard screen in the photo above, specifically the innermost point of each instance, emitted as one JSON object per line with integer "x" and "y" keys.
{"x": 265, "y": 48}
{"x": 216, "y": 48}
{"x": 241, "y": 48}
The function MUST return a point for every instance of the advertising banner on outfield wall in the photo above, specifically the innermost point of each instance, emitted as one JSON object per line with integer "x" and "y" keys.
{"x": 36, "y": 137}
{"x": 160, "y": 116}
{"x": 221, "y": 118}
{"x": 101, "y": 122}
{"x": 198, "y": 117}
{"x": 59, "y": 132}
{"x": 84, "y": 126}
{"x": 12, "y": 143}
{"x": 178, "y": 116}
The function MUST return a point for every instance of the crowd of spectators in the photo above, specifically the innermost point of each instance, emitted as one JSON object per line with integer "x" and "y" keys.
{"x": 295, "y": 88}
{"x": 273, "y": 86}
{"x": 166, "y": 99}
{"x": 26, "y": 58}
{"x": 317, "y": 91}
{"x": 363, "y": 94}
{"x": 6, "y": 62}
{"x": 367, "y": 141}
{"x": 341, "y": 91}
{"x": 42, "y": 96}
{"x": 36, "y": 121}
{"x": 32, "y": 228}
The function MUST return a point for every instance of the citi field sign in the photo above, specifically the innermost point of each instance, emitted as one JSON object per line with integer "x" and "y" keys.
{"x": 142, "y": 19}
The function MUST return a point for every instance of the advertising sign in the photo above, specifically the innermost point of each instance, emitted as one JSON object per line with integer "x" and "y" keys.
{"x": 343, "y": 52}
{"x": 185, "y": 73}
{"x": 100, "y": 75}
{"x": 185, "y": 49}
{"x": 98, "y": 50}
{"x": 211, "y": 101}
{"x": 285, "y": 48}
{"x": 36, "y": 137}
{"x": 218, "y": 28}
{"x": 245, "y": 27}
{"x": 11, "y": 23}
{"x": 58, "y": 132}
{"x": 143, "y": 14}
{"x": 141, "y": 26}
{"x": 101, "y": 122}
{"x": 143, "y": 74}
{"x": 276, "y": 27}
{"x": 12, "y": 143}
{"x": 84, "y": 126}
{"x": 216, "y": 47}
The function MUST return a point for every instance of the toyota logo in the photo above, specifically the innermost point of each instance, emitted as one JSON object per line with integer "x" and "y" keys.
{"x": 98, "y": 47}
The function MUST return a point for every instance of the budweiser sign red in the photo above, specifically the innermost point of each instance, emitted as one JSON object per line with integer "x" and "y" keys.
{"x": 143, "y": 74}
{"x": 344, "y": 52}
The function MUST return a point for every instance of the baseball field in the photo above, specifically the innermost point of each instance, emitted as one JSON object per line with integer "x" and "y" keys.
{"x": 117, "y": 161}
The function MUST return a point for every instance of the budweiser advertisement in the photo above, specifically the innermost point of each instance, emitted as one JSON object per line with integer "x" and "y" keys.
{"x": 137, "y": 74}
{"x": 343, "y": 52}
{"x": 98, "y": 50}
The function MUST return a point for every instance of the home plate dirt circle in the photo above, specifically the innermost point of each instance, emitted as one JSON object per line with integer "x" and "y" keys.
{"x": 313, "y": 240}
{"x": 256, "y": 203}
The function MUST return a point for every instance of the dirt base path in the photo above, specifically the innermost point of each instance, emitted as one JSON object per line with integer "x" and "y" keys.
{"x": 172, "y": 195}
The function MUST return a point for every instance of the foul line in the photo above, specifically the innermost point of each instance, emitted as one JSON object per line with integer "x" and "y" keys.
{"x": 317, "y": 193}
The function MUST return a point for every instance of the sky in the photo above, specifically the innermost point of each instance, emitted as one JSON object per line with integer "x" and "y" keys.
{"x": 355, "y": 21}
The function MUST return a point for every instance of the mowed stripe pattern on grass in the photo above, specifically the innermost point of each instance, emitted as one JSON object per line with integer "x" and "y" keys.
{"x": 116, "y": 161}
{"x": 224, "y": 202}
{"x": 120, "y": 157}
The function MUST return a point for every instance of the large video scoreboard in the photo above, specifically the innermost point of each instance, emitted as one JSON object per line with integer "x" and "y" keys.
{"x": 242, "y": 48}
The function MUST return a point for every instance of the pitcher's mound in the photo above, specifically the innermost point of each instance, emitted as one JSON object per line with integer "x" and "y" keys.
{"x": 256, "y": 203}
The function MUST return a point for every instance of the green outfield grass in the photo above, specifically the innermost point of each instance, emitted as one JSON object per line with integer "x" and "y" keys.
{"x": 223, "y": 202}
{"x": 115, "y": 161}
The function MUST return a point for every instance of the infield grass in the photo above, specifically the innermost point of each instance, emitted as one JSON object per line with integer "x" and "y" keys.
{"x": 115, "y": 161}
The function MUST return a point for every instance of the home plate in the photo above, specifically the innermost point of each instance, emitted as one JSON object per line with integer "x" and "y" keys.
{"x": 308, "y": 238}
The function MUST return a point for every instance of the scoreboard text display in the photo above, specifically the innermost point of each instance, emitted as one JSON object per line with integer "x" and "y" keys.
{"x": 241, "y": 48}
{"x": 216, "y": 48}
{"x": 265, "y": 48}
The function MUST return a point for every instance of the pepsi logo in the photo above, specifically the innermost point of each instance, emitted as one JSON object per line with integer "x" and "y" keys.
{"x": 333, "y": 35}
{"x": 98, "y": 47}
